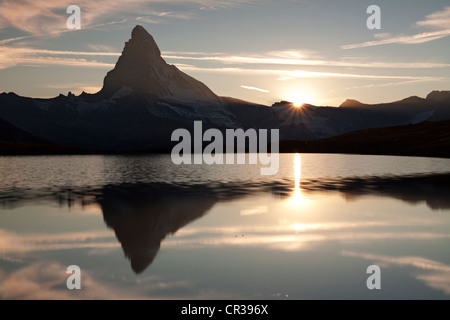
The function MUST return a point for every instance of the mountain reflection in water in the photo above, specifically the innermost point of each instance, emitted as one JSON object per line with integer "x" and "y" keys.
{"x": 143, "y": 214}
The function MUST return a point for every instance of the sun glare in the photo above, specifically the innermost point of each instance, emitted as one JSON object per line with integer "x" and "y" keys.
{"x": 299, "y": 98}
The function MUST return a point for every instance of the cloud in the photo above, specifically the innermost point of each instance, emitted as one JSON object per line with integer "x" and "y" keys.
{"x": 289, "y": 237}
{"x": 103, "y": 48}
{"x": 284, "y": 75}
{"x": 239, "y": 64}
{"x": 439, "y": 20}
{"x": 19, "y": 50}
{"x": 437, "y": 274}
{"x": 5, "y": 41}
{"x": 47, "y": 281}
{"x": 75, "y": 88}
{"x": 255, "y": 211}
{"x": 12, "y": 56}
{"x": 32, "y": 16}
{"x": 16, "y": 245}
{"x": 47, "y": 17}
{"x": 408, "y": 39}
{"x": 254, "y": 88}
{"x": 39, "y": 17}
{"x": 390, "y": 84}
{"x": 298, "y": 58}
{"x": 58, "y": 31}
{"x": 293, "y": 236}
{"x": 381, "y": 35}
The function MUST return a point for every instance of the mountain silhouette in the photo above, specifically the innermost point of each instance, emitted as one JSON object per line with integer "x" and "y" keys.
{"x": 143, "y": 215}
{"x": 439, "y": 96}
{"x": 144, "y": 99}
{"x": 142, "y": 69}
{"x": 349, "y": 103}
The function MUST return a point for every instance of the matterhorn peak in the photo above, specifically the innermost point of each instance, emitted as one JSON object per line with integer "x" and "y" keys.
{"x": 142, "y": 69}
{"x": 141, "y": 38}
{"x": 139, "y": 32}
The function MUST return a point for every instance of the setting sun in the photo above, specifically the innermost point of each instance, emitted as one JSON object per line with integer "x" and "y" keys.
{"x": 299, "y": 98}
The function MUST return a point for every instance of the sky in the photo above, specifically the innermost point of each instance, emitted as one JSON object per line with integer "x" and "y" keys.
{"x": 306, "y": 51}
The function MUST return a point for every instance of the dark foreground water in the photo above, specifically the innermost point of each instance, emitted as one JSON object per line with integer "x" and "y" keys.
{"x": 141, "y": 227}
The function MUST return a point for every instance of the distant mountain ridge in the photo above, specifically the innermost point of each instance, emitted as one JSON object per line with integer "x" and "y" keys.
{"x": 439, "y": 96}
{"x": 144, "y": 99}
{"x": 350, "y": 103}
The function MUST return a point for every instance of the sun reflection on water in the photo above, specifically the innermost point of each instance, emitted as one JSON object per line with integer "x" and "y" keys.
{"x": 298, "y": 198}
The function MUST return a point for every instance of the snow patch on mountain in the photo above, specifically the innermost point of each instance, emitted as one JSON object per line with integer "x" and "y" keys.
{"x": 423, "y": 116}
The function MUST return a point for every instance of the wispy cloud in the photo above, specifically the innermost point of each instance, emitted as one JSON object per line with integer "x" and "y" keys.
{"x": 48, "y": 17}
{"x": 301, "y": 59}
{"x": 254, "y": 88}
{"x": 5, "y": 41}
{"x": 408, "y": 39}
{"x": 435, "y": 274}
{"x": 440, "y": 21}
{"x": 46, "y": 280}
{"x": 12, "y": 56}
{"x": 103, "y": 48}
{"x": 18, "y": 244}
{"x": 60, "y": 52}
{"x": 284, "y": 75}
{"x": 58, "y": 31}
{"x": 48, "y": 61}
{"x": 75, "y": 88}
{"x": 400, "y": 83}
{"x": 39, "y": 17}
{"x": 269, "y": 64}
{"x": 283, "y": 238}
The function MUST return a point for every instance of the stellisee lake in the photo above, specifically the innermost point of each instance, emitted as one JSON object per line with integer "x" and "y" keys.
{"x": 140, "y": 227}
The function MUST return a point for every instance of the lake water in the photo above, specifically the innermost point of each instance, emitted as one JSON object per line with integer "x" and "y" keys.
{"x": 139, "y": 226}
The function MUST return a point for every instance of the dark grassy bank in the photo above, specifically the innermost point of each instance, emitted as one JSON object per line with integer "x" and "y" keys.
{"x": 428, "y": 139}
